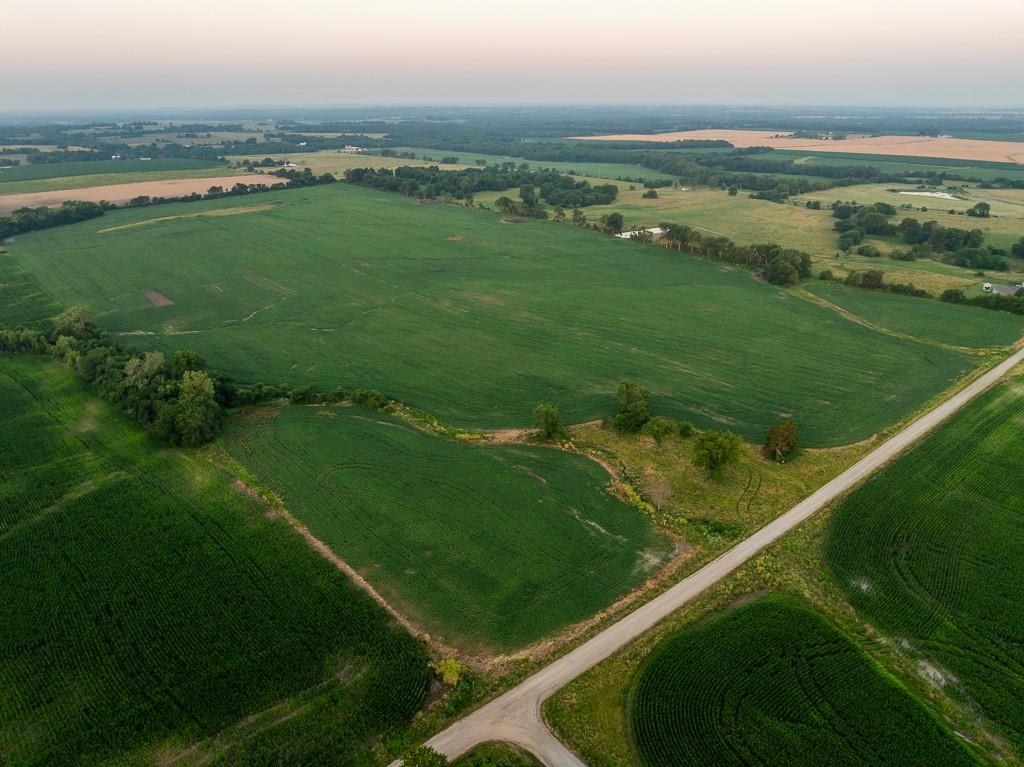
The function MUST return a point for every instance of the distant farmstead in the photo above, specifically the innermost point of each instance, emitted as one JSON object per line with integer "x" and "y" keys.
{"x": 639, "y": 234}
{"x": 1002, "y": 290}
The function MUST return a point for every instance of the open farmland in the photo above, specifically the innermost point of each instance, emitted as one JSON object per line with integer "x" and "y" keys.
{"x": 1004, "y": 228}
{"x": 715, "y": 212}
{"x": 911, "y": 146}
{"x": 26, "y": 172}
{"x": 121, "y": 194}
{"x": 924, "y": 318}
{"x": 931, "y": 551}
{"x": 774, "y": 683}
{"x": 476, "y": 320}
{"x": 147, "y": 603}
{"x": 490, "y": 547}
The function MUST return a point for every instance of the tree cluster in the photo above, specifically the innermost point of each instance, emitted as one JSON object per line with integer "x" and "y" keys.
{"x": 778, "y": 265}
{"x": 431, "y": 182}
{"x": 179, "y": 400}
{"x": 30, "y": 219}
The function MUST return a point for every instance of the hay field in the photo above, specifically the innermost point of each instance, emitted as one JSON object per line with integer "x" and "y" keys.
{"x": 476, "y": 320}
{"x": 911, "y": 146}
{"x": 121, "y": 193}
{"x": 486, "y": 547}
{"x": 148, "y": 604}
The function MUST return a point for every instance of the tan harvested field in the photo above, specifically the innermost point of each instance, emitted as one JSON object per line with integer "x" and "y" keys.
{"x": 907, "y": 146}
{"x": 122, "y": 193}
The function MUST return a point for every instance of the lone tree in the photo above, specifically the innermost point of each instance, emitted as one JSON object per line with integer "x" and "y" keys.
{"x": 549, "y": 422}
{"x": 714, "y": 450}
{"x": 781, "y": 440}
{"x": 981, "y": 210}
{"x": 614, "y": 222}
{"x": 633, "y": 411}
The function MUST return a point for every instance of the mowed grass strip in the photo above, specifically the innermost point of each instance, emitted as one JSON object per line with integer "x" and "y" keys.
{"x": 774, "y": 683}
{"x": 932, "y": 551}
{"x": 476, "y": 320}
{"x": 924, "y": 318}
{"x": 488, "y": 547}
{"x": 145, "y": 603}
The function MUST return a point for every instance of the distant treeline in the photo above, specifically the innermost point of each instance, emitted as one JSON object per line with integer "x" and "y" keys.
{"x": 432, "y": 183}
{"x": 72, "y": 211}
{"x": 31, "y": 219}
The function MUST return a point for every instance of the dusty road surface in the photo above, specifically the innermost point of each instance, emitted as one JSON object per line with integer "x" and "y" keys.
{"x": 515, "y": 716}
{"x": 122, "y": 193}
{"x": 912, "y": 146}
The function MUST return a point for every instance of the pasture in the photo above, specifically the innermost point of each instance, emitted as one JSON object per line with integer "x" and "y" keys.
{"x": 488, "y": 547}
{"x": 147, "y": 603}
{"x": 931, "y": 551}
{"x": 714, "y": 212}
{"x": 1004, "y": 228}
{"x": 775, "y": 683}
{"x": 476, "y": 320}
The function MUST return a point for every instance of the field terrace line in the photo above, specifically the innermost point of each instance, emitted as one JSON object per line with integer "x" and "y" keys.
{"x": 515, "y": 716}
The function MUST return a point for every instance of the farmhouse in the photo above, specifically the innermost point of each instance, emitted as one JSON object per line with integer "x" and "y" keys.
{"x": 640, "y": 233}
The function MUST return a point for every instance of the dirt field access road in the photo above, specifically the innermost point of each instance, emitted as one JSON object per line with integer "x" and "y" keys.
{"x": 515, "y": 716}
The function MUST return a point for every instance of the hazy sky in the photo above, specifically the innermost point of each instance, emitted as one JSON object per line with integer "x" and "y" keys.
{"x": 110, "y": 53}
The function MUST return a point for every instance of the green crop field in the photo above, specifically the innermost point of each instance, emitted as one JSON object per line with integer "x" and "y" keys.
{"x": 477, "y": 320}
{"x": 52, "y": 170}
{"x": 932, "y": 551}
{"x": 774, "y": 683}
{"x": 146, "y": 604}
{"x": 924, "y": 318}
{"x": 493, "y": 546}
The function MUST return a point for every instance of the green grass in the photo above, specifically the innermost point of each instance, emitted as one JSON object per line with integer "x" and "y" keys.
{"x": 476, "y": 320}
{"x": 774, "y": 683}
{"x": 924, "y": 318}
{"x": 931, "y": 551}
{"x": 147, "y": 604}
{"x": 486, "y": 546}
{"x": 496, "y": 755}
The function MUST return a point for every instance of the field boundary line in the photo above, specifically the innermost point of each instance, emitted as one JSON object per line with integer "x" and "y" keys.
{"x": 516, "y": 715}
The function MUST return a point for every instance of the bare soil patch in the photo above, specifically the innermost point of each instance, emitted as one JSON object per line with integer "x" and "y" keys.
{"x": 913, "y": 146}
{"x": 158, "y": 299}
{"x": 120, "y": 194}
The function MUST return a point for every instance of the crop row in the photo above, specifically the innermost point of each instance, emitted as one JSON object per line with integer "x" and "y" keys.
{"x": 773, "y": 683}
